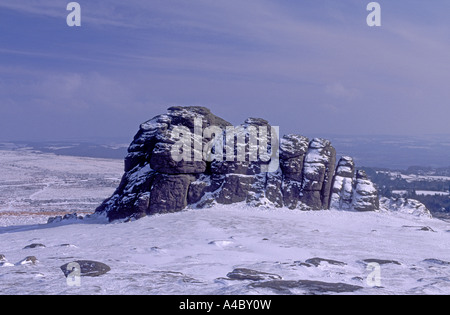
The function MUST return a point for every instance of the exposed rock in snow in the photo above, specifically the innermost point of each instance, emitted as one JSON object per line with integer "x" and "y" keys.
{"x": 168, "y": 193}
{"x": 250, "y": 274}
{"x": 4, "y": 262}
{"x": 437, "y": 261}
{"x": 311, "y": 287}
{"x": 191, "y": 252}
{"x": 382, "y": 261}
{"x": 217, "y": 163}
{"x": 365, "y": 195}
{"x": 293, "y": 149}
{"x": 318, "y": 174}
{"x": 29, "y": 260}
{"x": 34, "y": 245}
{"x": 404, "y": 205}
{"x": 85, "y": 268}
{"x": 317, "y": 261}
{"x": 342, "y": 190}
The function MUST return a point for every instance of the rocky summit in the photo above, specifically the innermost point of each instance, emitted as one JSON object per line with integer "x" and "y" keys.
{"x": 189, "y": 157}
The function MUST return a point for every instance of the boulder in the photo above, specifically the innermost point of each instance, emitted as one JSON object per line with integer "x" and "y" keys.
{"x": 406, "y": 206}
{"x": 85, "y": 268}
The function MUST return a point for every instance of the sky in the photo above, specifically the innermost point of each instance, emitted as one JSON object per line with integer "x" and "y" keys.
{"x": 310, "y": 67}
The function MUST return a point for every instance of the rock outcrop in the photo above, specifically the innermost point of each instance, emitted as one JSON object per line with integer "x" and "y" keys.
{"x": 342, "y": 190}
{"x": 365, "y": 195}
{"x": 406, "y": 206}
{"x": 189, "y": 157}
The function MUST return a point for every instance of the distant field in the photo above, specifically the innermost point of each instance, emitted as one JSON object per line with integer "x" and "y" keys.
{"x": 431, "y": 193}
{"x": 39, "y": 185}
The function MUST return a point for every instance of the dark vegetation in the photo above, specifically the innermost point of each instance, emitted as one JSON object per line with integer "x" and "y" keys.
{"x": 389, "y": 181}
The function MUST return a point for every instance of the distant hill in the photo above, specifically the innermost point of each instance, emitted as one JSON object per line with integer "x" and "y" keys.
{"x": 82, "y": 149}
{"x": 395, "y": 152}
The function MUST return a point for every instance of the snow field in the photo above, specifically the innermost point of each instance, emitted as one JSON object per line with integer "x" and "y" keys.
{"x": 192, "y": 252}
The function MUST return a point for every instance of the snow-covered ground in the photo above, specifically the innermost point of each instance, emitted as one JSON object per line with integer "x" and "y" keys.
{"x": 35, "y": 185}
{"x": 192, "y": 252}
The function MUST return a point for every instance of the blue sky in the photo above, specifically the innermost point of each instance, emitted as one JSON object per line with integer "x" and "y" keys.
{"x": 311, "y": 66}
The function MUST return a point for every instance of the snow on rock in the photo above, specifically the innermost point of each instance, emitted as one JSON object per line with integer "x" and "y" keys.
{"x": 365, "y": 195}
{"x": 253, "y": 275}
{"x": 34, "y": 245}
{"x": 307, "y": 178}
{"x": 29, "y": 260}
{"x": 318, "y": 173}
{"x": 85, "y": 268}
{"x": 306, "y": 287}
{"x": 4, "y": 262}
{"x": 406, "y": 206}
{"x": 342, "y": 190}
